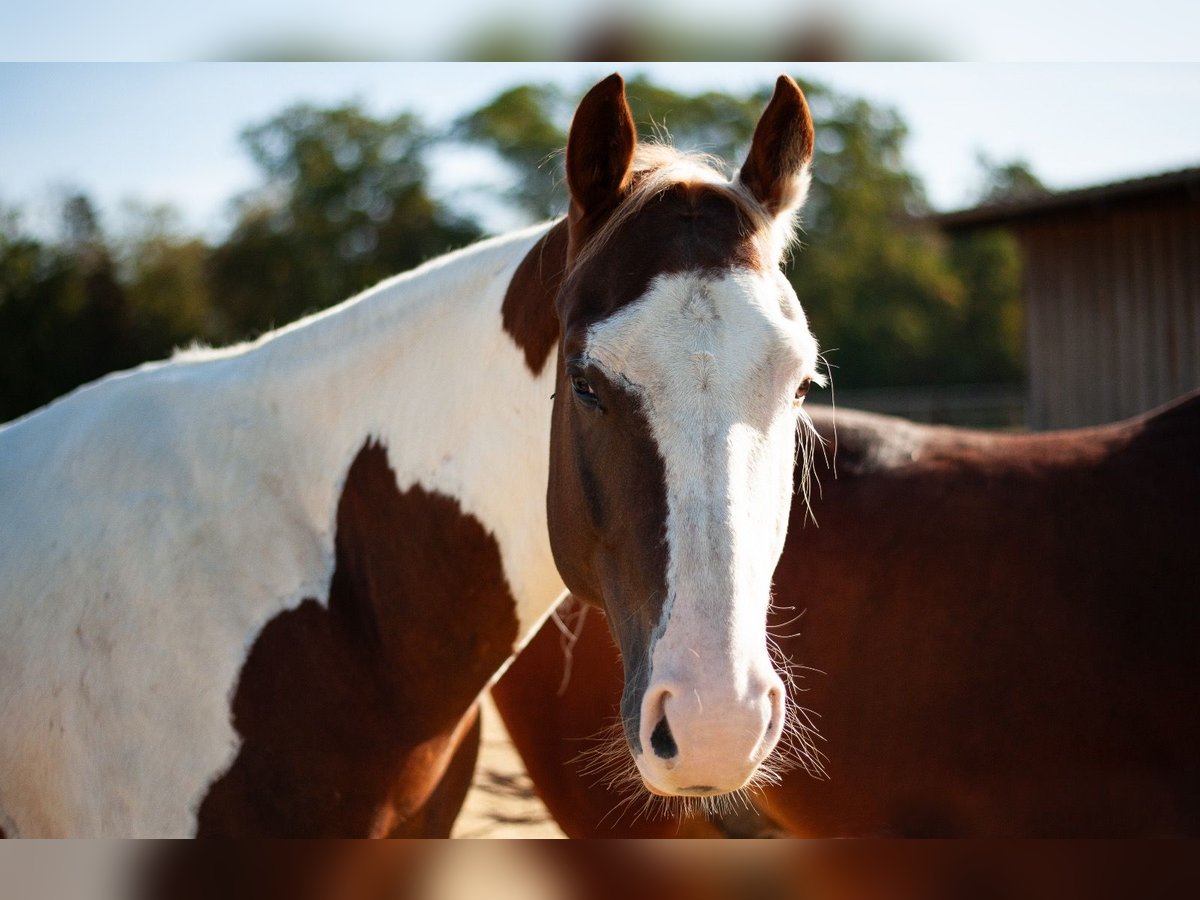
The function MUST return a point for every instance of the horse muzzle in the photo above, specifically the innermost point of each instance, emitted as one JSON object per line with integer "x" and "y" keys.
{"x": 701, "y": 739}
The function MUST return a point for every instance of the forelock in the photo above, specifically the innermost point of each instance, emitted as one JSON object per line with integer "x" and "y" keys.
{"x": 658, "y": 167}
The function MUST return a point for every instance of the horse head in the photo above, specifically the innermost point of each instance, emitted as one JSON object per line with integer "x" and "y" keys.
{"x": 683, "y": 361}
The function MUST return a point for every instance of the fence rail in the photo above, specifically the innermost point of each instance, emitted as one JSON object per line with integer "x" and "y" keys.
{"x": 971, "y": 405}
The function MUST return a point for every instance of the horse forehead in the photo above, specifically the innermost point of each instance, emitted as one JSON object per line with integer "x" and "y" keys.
{"x": 689, "y": 227}
{"x": 698, "y": 326}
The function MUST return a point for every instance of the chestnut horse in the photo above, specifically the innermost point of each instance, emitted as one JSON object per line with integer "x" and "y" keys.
{"x": 256, "y": 591}
{"x": 1005, "y": 628}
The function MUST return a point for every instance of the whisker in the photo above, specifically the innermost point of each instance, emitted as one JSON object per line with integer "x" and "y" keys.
{"x": 807, "y": 439}
{"x": 829, "y": 367}
{"x": 568, "y": 635}
{"x": 609, "y": 763}
{"x": 797, "y": 617}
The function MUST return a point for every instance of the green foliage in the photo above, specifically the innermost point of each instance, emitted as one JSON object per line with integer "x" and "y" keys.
{"x": 710, "y": 122}
{"x": 988, "y": 344}
{"x": 64, "y": 317}
{"x": 525, "y": 126}
{"x": 884, "y": 291}
{"x": 163, "y": 271}
{"x": 343, "y": 202}
{"x": 1009, "y": 182}
{"x": 872, "y": 273}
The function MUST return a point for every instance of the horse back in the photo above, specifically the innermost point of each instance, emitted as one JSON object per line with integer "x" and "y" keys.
{"x": 1006, "y": 625}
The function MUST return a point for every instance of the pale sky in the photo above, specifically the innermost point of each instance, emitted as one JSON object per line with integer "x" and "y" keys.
{"x": 1011, "y": 30}
{"x": 169, "y": 132}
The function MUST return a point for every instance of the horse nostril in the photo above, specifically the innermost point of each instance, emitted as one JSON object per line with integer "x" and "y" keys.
{"x": 662, "y": 742}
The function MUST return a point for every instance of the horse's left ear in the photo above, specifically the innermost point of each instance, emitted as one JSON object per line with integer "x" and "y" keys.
{"x": 600, "y": 148}
{"x": 776, "y": 169}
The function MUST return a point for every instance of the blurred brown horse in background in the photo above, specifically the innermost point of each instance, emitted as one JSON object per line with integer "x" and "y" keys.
{"x": 1002, "y": 632}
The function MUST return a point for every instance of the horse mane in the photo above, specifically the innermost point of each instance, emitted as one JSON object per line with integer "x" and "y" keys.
{"x": 658, "y": 167}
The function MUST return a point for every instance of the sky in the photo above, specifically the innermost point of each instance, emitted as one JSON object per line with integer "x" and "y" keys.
{"x": 1016, "y": 30}
{"x": 168, "y": 132}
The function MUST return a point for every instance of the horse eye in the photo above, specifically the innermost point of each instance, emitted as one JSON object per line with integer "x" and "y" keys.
{"x": 583, "y": 389}
{"x": 802, "y": 390}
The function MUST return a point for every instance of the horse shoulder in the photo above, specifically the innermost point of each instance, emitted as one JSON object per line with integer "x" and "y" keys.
{"x": 130, "y": 593}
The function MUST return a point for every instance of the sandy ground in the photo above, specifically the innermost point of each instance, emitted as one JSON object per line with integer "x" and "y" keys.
{"x": 502, "y": 803}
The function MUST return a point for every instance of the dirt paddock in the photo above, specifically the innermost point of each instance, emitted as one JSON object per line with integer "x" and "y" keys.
{"x": 502, "y": 802}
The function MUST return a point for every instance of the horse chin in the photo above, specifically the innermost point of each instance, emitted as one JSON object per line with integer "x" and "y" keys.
{"x": 696, "y": 790}
{"x": 700, "y": 791}
{"x": 653, "y": 790}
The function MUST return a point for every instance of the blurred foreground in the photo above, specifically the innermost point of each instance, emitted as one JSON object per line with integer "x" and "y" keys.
{"x": 855, "y": 870}
{"x": 537, "y": 29}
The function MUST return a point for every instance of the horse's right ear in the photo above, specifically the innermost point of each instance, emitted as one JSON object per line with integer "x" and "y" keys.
{"x": 600, "y": 149}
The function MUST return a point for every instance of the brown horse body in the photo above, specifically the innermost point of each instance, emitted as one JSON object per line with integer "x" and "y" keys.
{"x": 1005, "y": 628}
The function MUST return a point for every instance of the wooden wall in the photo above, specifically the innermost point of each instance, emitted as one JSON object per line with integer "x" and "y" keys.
{"x": 1112, "y": 299}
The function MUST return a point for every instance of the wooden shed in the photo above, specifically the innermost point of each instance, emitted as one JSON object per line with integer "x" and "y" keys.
{"x": 1111, "y": 285}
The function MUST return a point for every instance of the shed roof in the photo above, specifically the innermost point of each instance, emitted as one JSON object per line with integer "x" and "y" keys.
{"x": 1006, "y": 212}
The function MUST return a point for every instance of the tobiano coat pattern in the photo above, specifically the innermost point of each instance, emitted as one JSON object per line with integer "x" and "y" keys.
{"x": 255, "y": 591}
{"x": 158, "y": 522}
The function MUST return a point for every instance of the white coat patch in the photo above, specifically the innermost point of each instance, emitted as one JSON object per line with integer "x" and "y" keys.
{"x": 155, "y": 520}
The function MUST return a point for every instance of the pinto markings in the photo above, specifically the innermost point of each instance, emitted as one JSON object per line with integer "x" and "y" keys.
{"x": 348, "y": 711}
{"x": 169, "y": 514}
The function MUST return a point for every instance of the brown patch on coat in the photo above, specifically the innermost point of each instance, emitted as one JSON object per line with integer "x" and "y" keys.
{"x": 607, "y": 513}
{"x": 528, "y": 308}
{"x": 436, "y": 816}
{"x": 689, "y": 227}
{"x": 349, "y": 713}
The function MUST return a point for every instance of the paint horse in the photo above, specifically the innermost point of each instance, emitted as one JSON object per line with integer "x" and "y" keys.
{"x": 255, "y": 591}
{"x": 1005, "y": 628}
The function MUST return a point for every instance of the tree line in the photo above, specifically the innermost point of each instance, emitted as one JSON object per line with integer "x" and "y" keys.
{"x": 344, "y": 200}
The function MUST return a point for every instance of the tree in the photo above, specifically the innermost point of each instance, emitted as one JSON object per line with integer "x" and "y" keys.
{"x": 163, "y": 271}
{"x": 526, "y": 127}
{"x": 874, "y": 273}
{"x": 344, "y": 204}
{"x": 64, "y": 316}
{"x": 989, "y": 344}
{"x": 1009, "y": 182}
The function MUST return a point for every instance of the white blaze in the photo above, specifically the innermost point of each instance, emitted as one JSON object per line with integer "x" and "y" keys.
{"x": 716, "y": 361}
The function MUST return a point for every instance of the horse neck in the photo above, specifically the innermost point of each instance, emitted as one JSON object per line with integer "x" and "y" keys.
{"x": 422, "y": 366}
